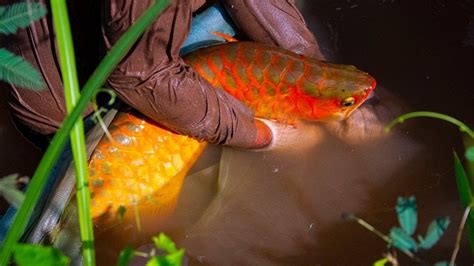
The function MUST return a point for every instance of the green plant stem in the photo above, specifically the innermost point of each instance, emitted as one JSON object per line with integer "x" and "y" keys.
{"x": 385, "y": 238}
{"x": 98, "y": 111}
{"x": 58, "y": 142}
{"x": 452, "y": 120}
{"x": 78, "y": 143}
{"x": 457, "y": 244}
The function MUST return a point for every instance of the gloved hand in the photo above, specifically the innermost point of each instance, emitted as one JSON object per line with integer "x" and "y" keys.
{"x": 153, "y": 79}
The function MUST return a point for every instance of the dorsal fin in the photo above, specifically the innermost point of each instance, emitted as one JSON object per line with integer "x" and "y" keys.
{"x": 224, "y": 36}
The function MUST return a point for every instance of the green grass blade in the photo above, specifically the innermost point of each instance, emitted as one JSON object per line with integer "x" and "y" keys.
{"x": 465, "y": 196}
{"x": 400, "y": 119}
{"x": 78, "y": 143}
{"x": 125, "y": 256}
{"x": 17, "y": 71}
{"x": 58, "y": 142}
{"x": 19, "y": 15}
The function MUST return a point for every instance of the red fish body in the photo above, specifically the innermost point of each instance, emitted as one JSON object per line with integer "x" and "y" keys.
{"x": 281, "y": 85}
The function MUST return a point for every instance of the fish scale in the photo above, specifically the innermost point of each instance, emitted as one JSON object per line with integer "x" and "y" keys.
{"x": 142, "y": 167}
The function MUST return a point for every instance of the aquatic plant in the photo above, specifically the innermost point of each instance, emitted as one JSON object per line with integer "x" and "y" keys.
{"x": 14, "y": 69}
{"x": 173, "y": 256}
{"x": 402, "y": 237}
{"x": 27, "y": 254}
{"x": 76, "y": 105}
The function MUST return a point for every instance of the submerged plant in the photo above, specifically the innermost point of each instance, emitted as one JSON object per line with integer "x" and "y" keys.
{"x": 14, "y": 69}
{"x": 402, "y": 237}
{"x": 163, "y": 243}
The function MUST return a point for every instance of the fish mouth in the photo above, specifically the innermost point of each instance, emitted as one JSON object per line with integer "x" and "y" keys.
{"x": 369, "y": 93}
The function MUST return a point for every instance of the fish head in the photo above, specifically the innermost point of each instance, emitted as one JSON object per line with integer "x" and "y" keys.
{"x": 336, "y": 90}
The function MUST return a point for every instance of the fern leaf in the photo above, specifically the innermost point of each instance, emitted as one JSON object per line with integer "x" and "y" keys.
{"x": 19, "y": 15}
{"x": 17, "y": 71}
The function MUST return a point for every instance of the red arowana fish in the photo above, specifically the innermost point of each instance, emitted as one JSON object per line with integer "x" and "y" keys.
{"x": 141, "y": 171}
{"x": 278, "y": 84}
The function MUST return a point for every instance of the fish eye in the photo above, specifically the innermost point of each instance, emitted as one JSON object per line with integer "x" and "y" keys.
{"x": 349, "y": 101}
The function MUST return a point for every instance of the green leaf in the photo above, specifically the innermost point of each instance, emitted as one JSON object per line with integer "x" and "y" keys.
{"x": 126, "y": 255}
{"x": 174, "y": 256}
{"x": 381, "y": 262}
{"x": 435, "y": 231}
{"x": 26, "y": 255}
{"x": 165, "y": 243}
{"x": 153, "y": 262}
{"x": 19, "y": 15}
{"x": 441, "y": 263}
{"x": 462, "y": 181}
{"x": 173, "y": 259}
{"x": 17, "y": 71}
{"x": 401, "y": 240}
{"x": 465, "y": 195}
{"x": 469, "y": 153}
{"x": 407, "y": 214}
{"x": 10, "y": 192}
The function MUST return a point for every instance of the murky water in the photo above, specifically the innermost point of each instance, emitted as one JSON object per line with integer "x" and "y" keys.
{"x": 284, "y": 206}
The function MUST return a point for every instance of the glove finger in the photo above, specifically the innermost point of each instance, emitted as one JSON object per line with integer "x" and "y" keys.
{"x": 276, "y": 22}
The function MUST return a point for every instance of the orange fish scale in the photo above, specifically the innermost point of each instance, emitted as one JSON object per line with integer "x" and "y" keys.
{"x": 136, "y": 167}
